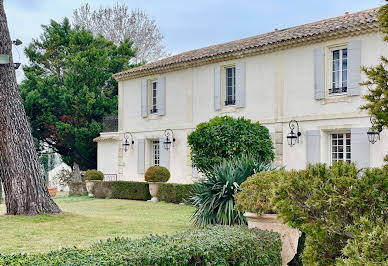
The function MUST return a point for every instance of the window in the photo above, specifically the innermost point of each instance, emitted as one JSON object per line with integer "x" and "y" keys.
{"x": 339, "y": 71}
{"x": 230, "y": 82}
{"x": 155, "y": 152}
{"x": 154, "y": 85}
{"x": 340, "y": 147}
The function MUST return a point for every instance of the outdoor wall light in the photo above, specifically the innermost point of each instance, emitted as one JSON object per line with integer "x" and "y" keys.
{"x": 17, "y": 42}
{"x": 127, "y": 143}
{"x": 373, "y": 135}
{"x": 169, "y": 136}
{"x": 292, "y": 137}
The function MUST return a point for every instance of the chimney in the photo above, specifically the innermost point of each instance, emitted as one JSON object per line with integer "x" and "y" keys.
{"x": 346, "y": 14}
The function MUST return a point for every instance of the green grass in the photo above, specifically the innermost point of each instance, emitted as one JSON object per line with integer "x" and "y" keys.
{"x": 86, "y": 220}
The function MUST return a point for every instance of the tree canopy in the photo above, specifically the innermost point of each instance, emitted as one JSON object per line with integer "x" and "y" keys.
{"x": 68, "y": 88}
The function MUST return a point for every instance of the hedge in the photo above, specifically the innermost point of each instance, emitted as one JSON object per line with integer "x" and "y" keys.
{"x": 175, "y": 193}
{"x": 216, "y": 245}
{"x": 121, "y": 190}
{"x": 77, "y": 189}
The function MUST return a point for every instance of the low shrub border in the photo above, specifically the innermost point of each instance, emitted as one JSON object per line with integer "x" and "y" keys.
{"x": 121, "y": 190}
{"x": 175, "y": 193}
{"x": 77, "y": 189}
{"x": 216, "y": 245}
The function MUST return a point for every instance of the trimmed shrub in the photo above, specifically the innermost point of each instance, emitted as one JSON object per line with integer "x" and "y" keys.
{"x": 216, "y": 245}
{"x": 121, "y": 190}
{"x": 213, "y": 196}
{"x": 175, "y": 193}
{"x": 157, "y": 174}
{"x": 77, "y": 189}
{"x": 257, "y": 191}
{"x": 226, "y": 137}
{"x": 93, "y": 175}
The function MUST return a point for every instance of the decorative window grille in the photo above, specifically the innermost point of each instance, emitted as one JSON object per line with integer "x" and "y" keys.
{"x": 339, "y": 71}
{"x": 154, "y": 86}
{"x": 155, "y": 152}
{"x": 230, "y": 75}
{"x": 341, "y": 147}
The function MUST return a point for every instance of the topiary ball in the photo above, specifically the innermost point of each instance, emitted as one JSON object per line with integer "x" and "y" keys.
{"x": 93, "y": 175}
{"x": 157, "y": 174}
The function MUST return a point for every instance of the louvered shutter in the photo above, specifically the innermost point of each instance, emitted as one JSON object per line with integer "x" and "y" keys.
{"x": 161, "y": 96}
{"x": 141, "y": 156}
{"x": 164, "y": 159}
{"x": 217, "y": 88}
{"x": 240, "y": 84}
{"x": 360, "y": 147}
{"x": 319, "y": 73}
{"x": 144, "y": 98}
{"x": 313, "y": 146}
{"x": 354, "y": 67}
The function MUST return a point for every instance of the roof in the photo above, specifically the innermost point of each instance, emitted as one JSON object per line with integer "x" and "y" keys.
{"x": 346, "y": 25}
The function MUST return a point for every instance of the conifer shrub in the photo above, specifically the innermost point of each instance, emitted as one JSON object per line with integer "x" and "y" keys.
{"x": 157, "y": 174}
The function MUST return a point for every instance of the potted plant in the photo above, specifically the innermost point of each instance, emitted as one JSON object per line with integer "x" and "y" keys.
{"x": 154, "y": 176}
{"x": 90, "y": 177}
{"x": 255, "y": 199}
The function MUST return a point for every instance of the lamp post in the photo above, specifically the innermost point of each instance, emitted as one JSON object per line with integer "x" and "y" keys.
{"x": 292, "y": 137}
{"x": 127, "y": 143}
{"x": 373, "y": 135}
{"x": 170, "y": 139}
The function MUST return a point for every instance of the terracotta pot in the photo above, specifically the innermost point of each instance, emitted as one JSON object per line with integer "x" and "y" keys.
{"x": 89, "y": 187}
{"x": 154, "y": 188}
{"x": 271, "y": 222}
{"x": 52, "y": 191}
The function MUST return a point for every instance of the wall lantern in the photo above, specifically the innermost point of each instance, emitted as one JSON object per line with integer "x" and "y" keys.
{"x": 4, "y": 58}
{"x": 169, "y": 137}
{"x": 292, "y": 137}
{"x": 127, "y": 143}
{"x": 373, "y": 135}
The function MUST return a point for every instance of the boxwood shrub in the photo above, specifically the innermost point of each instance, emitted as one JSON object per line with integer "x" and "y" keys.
{"x": 216, "y": 245}
{"x": 175, "y": 193}
{"x": 121, "y": 190}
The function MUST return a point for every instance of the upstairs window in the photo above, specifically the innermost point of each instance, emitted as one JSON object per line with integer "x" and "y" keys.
{"x": 154, "y": 88}
{"x": 230, "y": 82}
{"x": 155, "y": 153}
{"x": 339, "y": 71}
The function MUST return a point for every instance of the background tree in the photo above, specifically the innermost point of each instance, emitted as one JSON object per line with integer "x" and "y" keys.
{"x": 20, "y": 171}
{"x": 68, "y": 89}
{"x": 118, "y": 23}
{"x": 226, "y": 137}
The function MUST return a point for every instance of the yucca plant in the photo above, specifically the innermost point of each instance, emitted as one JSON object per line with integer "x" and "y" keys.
{"x": 213, "y": 196}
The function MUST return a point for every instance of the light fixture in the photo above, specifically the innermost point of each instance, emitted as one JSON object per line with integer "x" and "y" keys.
{"x": 16, "y": 65}
{"x": 292, "y": 137}
{"x": 17, "y": 42}
{"x": 169, "y": 134}
{"x": 373, "y": 135}
{"x": 127, "y": 143}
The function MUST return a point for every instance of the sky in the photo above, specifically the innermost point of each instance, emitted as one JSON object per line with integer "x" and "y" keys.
{"x": 186, "y": 25}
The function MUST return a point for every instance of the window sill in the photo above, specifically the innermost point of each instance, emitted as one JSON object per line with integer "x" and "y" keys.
{"x": 229, "y": 109}
{"x": 337, "y": 98}
{"x": 153, "y": 117}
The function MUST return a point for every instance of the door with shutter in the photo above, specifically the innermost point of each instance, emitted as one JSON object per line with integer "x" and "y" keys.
{"x": 313, "y": 146}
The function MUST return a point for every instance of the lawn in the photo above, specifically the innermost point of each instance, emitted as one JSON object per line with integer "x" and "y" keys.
{"x": 86, "y": 220}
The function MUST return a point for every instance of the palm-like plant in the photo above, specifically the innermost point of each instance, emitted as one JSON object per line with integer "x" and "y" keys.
{"x": 213, "y": 196}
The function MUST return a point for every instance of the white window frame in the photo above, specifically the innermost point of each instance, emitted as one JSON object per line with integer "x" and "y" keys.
{"x": 344, "y": 145}
{"x": 331, "y": 80}
{"x": 155, "y": 153}
{"x": 153, "y": 96}
{"x": 232, "y": 102}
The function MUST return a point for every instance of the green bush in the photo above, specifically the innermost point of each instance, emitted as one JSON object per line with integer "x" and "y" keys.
{"x": 93, "y": 175}
{"x": 77, "y": 189}
{"x": 216, "y": 245}
{"x": 121, "y": 190}
{"x": 175, "y": 193}
{"x": 157, "y": 174}
{"x": 257, "y": 191}
{"x": 213, "y": 196}
{"x": 336, "y": 207}
{"x": 225, "y": 137}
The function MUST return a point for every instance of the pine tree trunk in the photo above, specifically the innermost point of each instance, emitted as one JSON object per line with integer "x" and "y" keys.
{"x": 20, "y": 170}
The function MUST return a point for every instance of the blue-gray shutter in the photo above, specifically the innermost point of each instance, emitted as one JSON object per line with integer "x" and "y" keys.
{"x": 319, "y": 73}
{"x": 240, "y": 84}
{"x": 313, "y": 146}
{"x": 360, "y": 147}
{"x": 164, "y": 155}
{"x": 161, "y": 96}
{"x": 354, "y": 67}
{"x": 217, "y": 88}
{"x": 144, "y": 98}
{"x": 140, "y": 156}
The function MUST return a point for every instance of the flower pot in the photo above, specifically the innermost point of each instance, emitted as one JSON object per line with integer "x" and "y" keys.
{"x": 52, "y": 191}
{"x": 271, "y": 222}
{"x": 154, "y": 187}
{"x": 89, "y": 187}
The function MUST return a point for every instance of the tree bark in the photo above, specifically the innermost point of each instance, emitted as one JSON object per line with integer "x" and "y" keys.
{"x": 20, "y": 170}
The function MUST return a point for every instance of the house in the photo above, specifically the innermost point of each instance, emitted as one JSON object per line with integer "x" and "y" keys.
{"x": 307, "y": 74}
